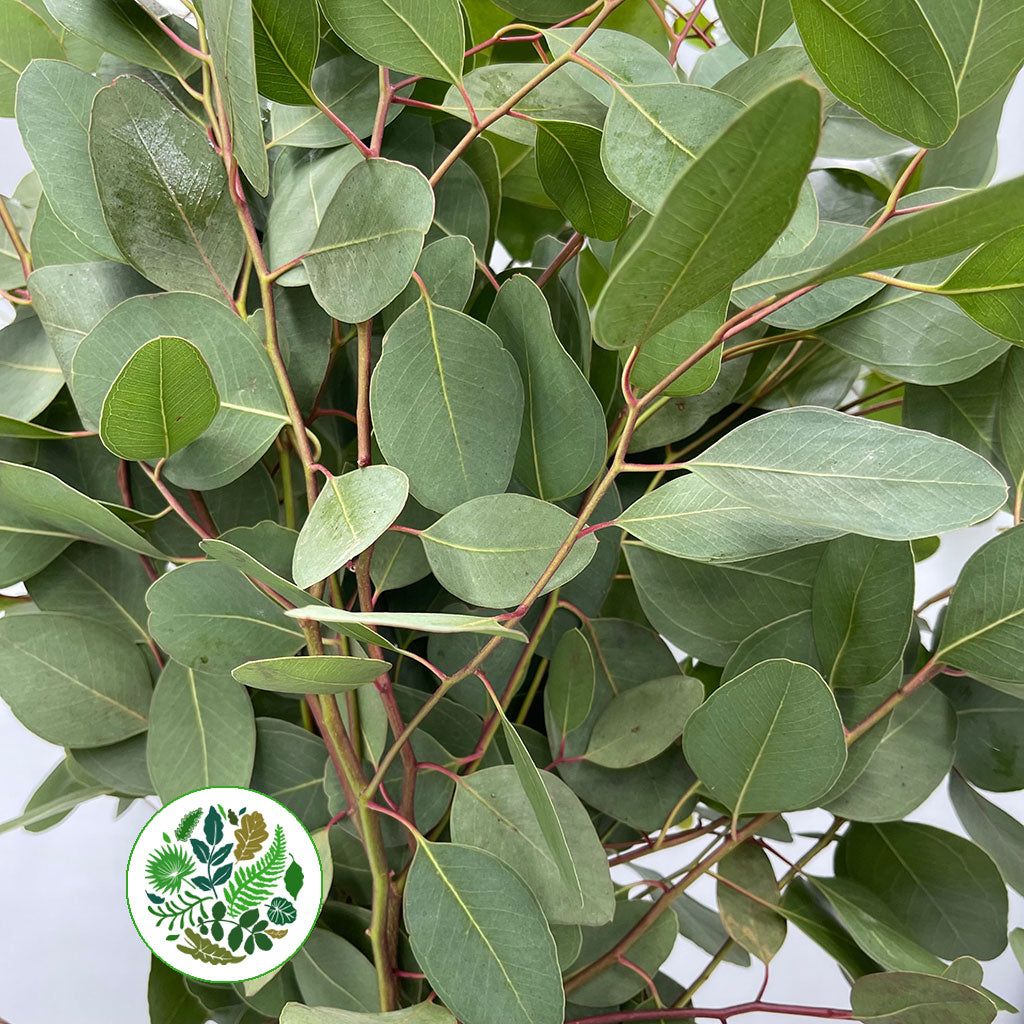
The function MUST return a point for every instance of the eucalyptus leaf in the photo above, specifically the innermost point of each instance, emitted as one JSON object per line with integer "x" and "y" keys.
{"x": 491, "y": 550}
{"x": 900, "y": 484}
{"x": 352, "y": 511}
{"x": 201, "y": 733}
{"x": 455, "y": 903}
{"x": 313, "y": 674}
{"x": 464, "y": 394}
{"x": 146, "y": 157}
{"x": 779, "y": 699}
{"x": 646, "y": 292}
{"x": 161, "y": 401}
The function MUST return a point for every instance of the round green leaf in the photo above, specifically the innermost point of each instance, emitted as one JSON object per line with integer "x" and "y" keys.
{"x": 350, "y": 513}
{"x": 286, "y": 37}
{"x": 30, "y": 374}
{"x": 780, "y": 724}
{"x": 569, "y": 690}
{"x": 162, "y": 400}
{"x": 379, "y": 215}
{"x": 904, "y": 998}
{"x": 313, "y": 674}
{"x": 639, "y": 724}
{"x": 945, "y": 891}
{"x": 753, "y": 25}
{"x": 251, "y": 409}
{"x": 430, "y": 414}
{"x": 491, "y": 551}
{"x": 72, "y": 681}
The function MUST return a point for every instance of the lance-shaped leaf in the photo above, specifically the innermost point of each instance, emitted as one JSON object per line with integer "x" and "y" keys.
{"x": 756, "y": 717}
{"x": 984, "y": 41}
{"x": 201, "y": 733}
{"x": 639, "y": 724}
{"x": 856, "y": 475}
{"x": 286, "y": 37}
{"x": 989, "y": 286}
{"x": 123, "y": 28}
{"x": 947, "y": 892}
{"x": 211, "y": 618}
{"x": 274, "y": 544}
{"x": 39, "y": 506}
{"x": 229, "y": 32}
{"x": 753, "y": 25}
{"x": 541, "y": 802}
{"x": 886, "y": 63}
{"x": 480, "y": 937}
{"x": 863, "y": 608}
{"x": 25, "y": 36}
{"x": 757, "y": 928}
{"x": 85, "y": 687}
{"x": 569, "y": 167}
{"x": 569, "y": 689}
{"x": 983, "y": 632}
{"x": 53, "y": 105}
{"x": 940, "y": 230}
{"x": 689, "y": 518}
{"x": 379, "y": 215}
{"x": 355, "y": 624}
{"x": 164, "y": 191}
{"x": 350, "y": 513}
{"x": 491, "y": 812}
{"x": 162, "y": 400}
{"x": 563, "y": 440}
{"x": 421, "y": 39}
{"x": 313, "y": 674}
{"x": 251, "y": 409}
{"x": 903, "y": 998}
{"x": 742, "y": 191}
{"x": 492, "y": 550}
{"x": 447, "y": 404}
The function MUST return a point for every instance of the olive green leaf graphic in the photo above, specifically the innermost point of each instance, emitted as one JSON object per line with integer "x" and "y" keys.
{"x": 293, "y": 879}
{"x": 168, "y": 867}
{"x": 251, "y": 835}
{"x": 187, "y": 825}
{"x": 207, "y": 951}
{"x": 277, "y": 933}
{"x": 254, "y": 883}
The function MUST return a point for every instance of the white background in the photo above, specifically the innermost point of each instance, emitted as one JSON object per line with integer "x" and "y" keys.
{"x": 69, "y": 953}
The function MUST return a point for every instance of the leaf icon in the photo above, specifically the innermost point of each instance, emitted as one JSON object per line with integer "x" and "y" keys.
{"x": 207, "y": 951}
{"x": 251, "y": 835}
{"x": 293, "y": 879}
{"x": 213, "y": 826}
{"x": 187, "y": 824}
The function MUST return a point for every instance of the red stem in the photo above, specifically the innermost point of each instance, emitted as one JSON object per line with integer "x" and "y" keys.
{"x": 720, "y": 1013}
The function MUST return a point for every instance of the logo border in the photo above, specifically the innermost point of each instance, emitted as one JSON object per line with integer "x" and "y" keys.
{"x": 192, "y": 793}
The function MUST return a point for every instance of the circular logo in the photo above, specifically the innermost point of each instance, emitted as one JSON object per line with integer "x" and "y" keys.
{"x": 224, "y": 884}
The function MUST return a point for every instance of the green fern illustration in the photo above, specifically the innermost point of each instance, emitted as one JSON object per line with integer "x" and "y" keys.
{"x": 254, "y": 883}
{"x": 187, "y": 824}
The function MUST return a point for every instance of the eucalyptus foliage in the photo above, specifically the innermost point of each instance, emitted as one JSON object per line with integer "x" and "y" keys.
{"x": 453, "y": 420}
